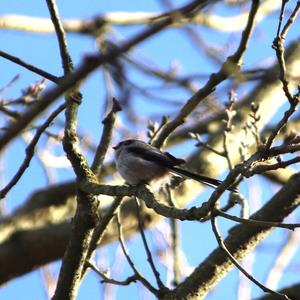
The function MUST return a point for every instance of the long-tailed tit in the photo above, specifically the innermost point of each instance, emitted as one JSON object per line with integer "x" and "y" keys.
{"x": 138, "y": 162}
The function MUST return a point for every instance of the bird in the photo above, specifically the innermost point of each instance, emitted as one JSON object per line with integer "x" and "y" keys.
{"x": 141, "y": 163}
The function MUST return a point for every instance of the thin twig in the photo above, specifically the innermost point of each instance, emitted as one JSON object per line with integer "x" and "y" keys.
{"x": 210, "y": 148}
{"x": 236, "y": 263}
{"x": 230, "y": 113}
{"x": 141, "y": 278}
{"x": 262, "y": 167}
{"x": 234, "y": 198}
{"x": 101, "y": 228}
{"x": 175, "y": 240}
{"x": 108, "y": 123}
{"x": 282, "y": 9}
{"x": 30, "y": 151}
{"x": 229, "y": 67}
{"x": 9, "y": 84}
{"x": 283, "y": 149}
{"x": 278, "y": 46}
{"x": 291, "y": 20}
{"x": 61, "y": 37}
{"x": 255, "y": 118}
{"x": 148, "y": 252}
{"x": 166, "y": 76}
{"x": 106, "y": 279}
{"x": 279, "y": 49}
{"x": 89, "y": 65}
{"x": 30, "y": 67}
{"x": 253, "y": 222}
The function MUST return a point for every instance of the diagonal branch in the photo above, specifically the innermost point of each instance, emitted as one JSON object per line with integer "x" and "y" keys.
{"x": 89, "y": 65}
{"x": 30, "y": 67}
{"x": 241, "y": 240}
{"x": 230, "y": 66}
{"x": 236, "y": 263}
{"x": 30, "y": 151}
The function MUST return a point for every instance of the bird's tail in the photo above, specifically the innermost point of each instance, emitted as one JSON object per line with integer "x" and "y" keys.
{"x": 201, "y": 178}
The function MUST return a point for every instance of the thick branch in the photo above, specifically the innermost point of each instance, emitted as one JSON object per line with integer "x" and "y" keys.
{"x": 88, "y": 26}
{"x": 230, "y": 66}
{"x": 241, "y": 240}
{"x": 46, "y": 224}
{"x": 89, "y": 65}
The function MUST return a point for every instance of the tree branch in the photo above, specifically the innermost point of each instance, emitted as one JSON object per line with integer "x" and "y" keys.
{"x": 241, "y": 239}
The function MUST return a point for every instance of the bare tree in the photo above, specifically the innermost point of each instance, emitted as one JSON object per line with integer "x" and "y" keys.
{"x": 242, "y": 118}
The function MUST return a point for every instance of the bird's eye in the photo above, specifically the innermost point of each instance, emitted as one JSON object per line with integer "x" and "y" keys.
{"x": 126, "y": 142}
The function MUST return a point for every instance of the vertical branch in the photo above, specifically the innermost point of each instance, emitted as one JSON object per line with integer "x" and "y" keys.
{"x": 108, "y": 123}
{"x": 230, "y": 113}
{"x": 175, "y": 240}
{"x": 278, "y": 46}
{"x": 283, "y": 4}
{"x": 87, "y": 206}
{"x": 100, "y": 229}
{"x": 148, "y": 252}
{"x": 61, "y": 36}
{"x": 86, "y": 213}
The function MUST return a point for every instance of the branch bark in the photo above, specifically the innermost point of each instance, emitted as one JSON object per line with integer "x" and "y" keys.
{"x": 240, "y": 241}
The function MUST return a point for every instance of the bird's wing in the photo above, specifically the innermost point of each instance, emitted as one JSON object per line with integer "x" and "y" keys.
{"x": 155, "y": 155}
